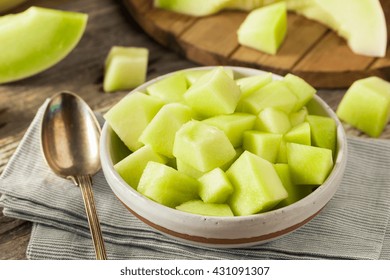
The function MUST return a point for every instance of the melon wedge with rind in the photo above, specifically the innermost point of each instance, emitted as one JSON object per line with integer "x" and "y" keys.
{"x": 36, "y": 39}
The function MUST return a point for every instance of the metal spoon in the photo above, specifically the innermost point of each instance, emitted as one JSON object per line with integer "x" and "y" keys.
{"x": 70, "y": 143}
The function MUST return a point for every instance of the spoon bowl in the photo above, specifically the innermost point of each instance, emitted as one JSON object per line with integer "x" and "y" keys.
{"x": 70, "y": 137}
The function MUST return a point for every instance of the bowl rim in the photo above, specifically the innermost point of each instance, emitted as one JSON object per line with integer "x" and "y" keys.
{"x": 121, "y": 186}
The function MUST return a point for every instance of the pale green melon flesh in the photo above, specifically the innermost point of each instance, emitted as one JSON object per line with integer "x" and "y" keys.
{"x": 193, "y": 75}
{"x": 302, "y": 90}
{"x": 323, "y": 131}
{"x": 169, "y": 89}
{"x": 249, "y": 85}
{"x": 214, "y": 186}
{"x": 191, "y": 7}
{"x": 263, "y": 144}
{"x": 300, "y": 134}
{"x": 273, "y": 120}
{"x": 166, "y": 185}
{"x": 206, "y": 209}
{"x": 187, "y": 169}
{"x": 298, "y": 117}
{"x": 36, "y": 39}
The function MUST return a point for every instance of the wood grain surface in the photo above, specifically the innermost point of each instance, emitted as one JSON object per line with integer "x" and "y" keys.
{"x": 309, "y": 50}
{"x": 82, "y": 72}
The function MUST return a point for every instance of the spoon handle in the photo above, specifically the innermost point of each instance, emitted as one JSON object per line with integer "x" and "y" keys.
{"x": 85, "y": 184}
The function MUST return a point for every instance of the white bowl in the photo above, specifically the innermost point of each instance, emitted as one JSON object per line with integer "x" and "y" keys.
{"x": 226, "y": 232}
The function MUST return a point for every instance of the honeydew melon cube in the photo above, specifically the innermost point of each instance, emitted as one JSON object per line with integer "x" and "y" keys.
{"x": 275, "y": 94}
{"x": 131, "y": 167}
{"x": 187, "y": 169}
{"x": 160, "y": 132}
{"x": 166, "y": 185}
{"x": 299, "y": 116}
{"x": 214, "y": 186}
{"x": 227, "y": 165}
{"x": 202, "y": 146}
{"x": 233, "y": 125}
{"x": 300, "y": 134}
{"x": 206, "y": 209}
{"x": 215, "y": 93}
{"x": 193, "y": 75}
{"x": 323, "y": 131}
{"x": 273, "y": 121}
{"x": 263, "y": 144}
{"x": 191, "y": 7}
{"x": 309, "y": 165}
{"x": 249, "y": 85}
{"x": 295, "y": 192}
{"x": 302, "y": 90}
{"x": 125, "y": 68}
{"x": 257, "y": 186}
{"x": 264, "y": 28}
{"x": 169, "y": 89}
{"x": 130, "y": 116}
{"x": 282, "y": 155}
{"x": 366, "y": 105}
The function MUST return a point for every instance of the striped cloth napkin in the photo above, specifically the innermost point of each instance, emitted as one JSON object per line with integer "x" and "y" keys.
{"x": 353, "y": 225}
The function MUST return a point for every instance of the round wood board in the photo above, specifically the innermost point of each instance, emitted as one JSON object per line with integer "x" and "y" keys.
{"x": 310, "y": 50}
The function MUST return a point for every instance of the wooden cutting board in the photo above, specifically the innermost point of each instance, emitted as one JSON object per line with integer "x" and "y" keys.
{"x": 310, "y": 50}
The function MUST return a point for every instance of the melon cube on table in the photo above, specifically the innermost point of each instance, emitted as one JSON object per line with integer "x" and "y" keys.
{"x": 214, "y": 93}
{"x": 299, "y": 116}
{"x": 323, "y": 132}
{"x": 233, "y": 125}
{"x": 249, "y": 85}
{"x": 309, "y": 165}
{"x": 125, "y": 68}
{"x": 206, "y": 209}
{"x": 166, "y": 185}
{"x": 257, "y": 186}
{"x": 214, "y": 186}
{"x": 302, "y": 90}
{"x": 263, "y": 144}
{"x": 273, "y": 120}
{"x": 160, "y": 132}
{"x": 295, "y": 192}
{"x": 202, "y": 146}
{"x": 264, "y": 28}
{"x": 193, "y": 75}
{"x": 300, "y": 134}
{"x": 130, "y": 116}
{"x": 366, "y": 105}
{"x": 275, "y": 94}
{"x": 131, "y": 167}
{"x": 169, "y": 89}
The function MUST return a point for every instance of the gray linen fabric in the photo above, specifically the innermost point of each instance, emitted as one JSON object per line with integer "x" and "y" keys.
{"x": 353, "y": 225}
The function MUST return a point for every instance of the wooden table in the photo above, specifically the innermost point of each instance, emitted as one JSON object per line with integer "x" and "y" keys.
{"x": 82, "y": 72}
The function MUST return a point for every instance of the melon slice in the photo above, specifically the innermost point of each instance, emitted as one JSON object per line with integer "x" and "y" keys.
{"x": 257, "y": 186}
{"x": 191, "y": 7}
{"x": 264, "y": 28}
{"x": 166, "y": 185}
{"x": 125, "y": 68}
{"x": 26, "y": 50}
{"x": 169, "y": 89}
{"x": 206, "y": 209}
{"x": 214, "y": 186}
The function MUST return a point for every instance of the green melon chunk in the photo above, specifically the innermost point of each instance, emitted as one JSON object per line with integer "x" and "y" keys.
{"x": 249, "y": 85}
{"x": 227, "y": 165}
{"x": 302, "y": 90}
{"x": 161, "y": 131}
{"x": 169, "y": 89}
{"x": 309, "y": 165}
{"x": 191, "y": 7}
{"x": 215, "y": 93}
{"x": 264, "y": 28}
{"x": 125, "y": 68}
{"x": 257, "y": 187}
{"x": 202, "y": 146}
{"x": 206, "y": 209}
{"x": 233, "y": 125}
{"x": 166, "y": 185}
{"x": 130, "y": 116}
{"x": 299, "y": 116}
{"x": 300, "y": 134}
{"x": 295, "y": 193}
{"x": 131, "y": 167}
{"x": 187, "y": 169}
{"x": 276, "y": 94}
{"x": 193, "y": 75}
{"x": 282, "y": 155}
{"x": 323, "y": 132}
{"x": 263, "y": 144}
{"x": 273, "y": 120}
{"x": 214, "y": 186}
{"x": 36, "y": 39}
{"x": 366, "y": 105}
{"x": 244, "y": 5}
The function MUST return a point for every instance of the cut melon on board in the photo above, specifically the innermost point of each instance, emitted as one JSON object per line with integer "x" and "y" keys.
{"x": 191, "y": 7}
